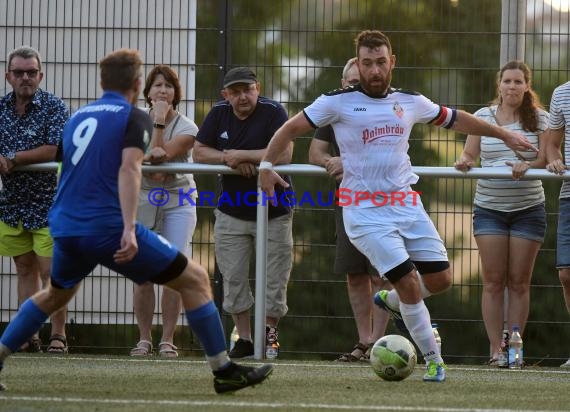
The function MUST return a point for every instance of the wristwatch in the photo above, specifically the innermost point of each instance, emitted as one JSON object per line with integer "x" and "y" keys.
{"x": 11, "y": 156}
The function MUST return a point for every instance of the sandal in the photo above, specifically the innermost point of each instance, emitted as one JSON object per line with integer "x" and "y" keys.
{"x": 143, "y": 348}
{"x": 358, "y": 353}
{"x": 57, "y": 350}
{"x": 493, "y": 362}
{"x": 167, "y": 350}
{"x": 34, "y": 345}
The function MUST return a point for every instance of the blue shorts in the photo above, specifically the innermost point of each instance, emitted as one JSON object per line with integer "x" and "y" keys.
{"x": 75, "y": 257}
{"x": 528, "y": 223}
{"x": 563, "y": 235}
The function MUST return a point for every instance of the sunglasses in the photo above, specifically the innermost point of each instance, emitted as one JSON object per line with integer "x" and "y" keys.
{"x": 20, "y": 73}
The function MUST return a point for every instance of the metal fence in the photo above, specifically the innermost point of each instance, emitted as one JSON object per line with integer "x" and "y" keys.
{"x": 449, "y": 50}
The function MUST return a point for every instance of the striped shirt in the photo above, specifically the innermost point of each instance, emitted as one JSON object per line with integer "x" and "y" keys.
{"x": 508, "y": 195}
{"x": 560, "y": 118}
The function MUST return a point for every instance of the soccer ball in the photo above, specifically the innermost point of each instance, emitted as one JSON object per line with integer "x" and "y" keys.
{"x": 393, "y": 358}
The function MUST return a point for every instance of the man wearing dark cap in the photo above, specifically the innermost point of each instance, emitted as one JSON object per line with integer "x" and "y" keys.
{"x": 236, "y": 133}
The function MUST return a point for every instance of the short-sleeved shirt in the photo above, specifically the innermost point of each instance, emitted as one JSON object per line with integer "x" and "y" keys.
{"x": 180, "y": 125}
{"x": 87, "y": 199}
{"x": 560, "y": 118}
{"x": 373, "y": 134}
{"x": 223, "y": 130}
{"x": 27, "y": 196}
{"x": 508, "y": 195}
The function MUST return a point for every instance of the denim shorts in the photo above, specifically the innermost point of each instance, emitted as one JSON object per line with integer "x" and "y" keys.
{"x": 563, "y": 235}
{"x": 527, "y": 223}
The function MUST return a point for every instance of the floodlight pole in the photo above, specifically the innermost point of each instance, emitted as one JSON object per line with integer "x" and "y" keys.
{"x": 513, "y": 27}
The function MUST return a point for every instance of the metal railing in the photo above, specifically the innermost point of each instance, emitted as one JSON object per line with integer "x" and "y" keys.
{"x": 307, "y": 170}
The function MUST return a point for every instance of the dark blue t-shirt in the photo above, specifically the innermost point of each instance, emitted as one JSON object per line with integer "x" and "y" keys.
{"x": 87, "y": 199}
{"x": 223, "y": 130}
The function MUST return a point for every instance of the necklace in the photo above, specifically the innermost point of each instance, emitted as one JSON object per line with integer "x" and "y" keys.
{"x": 505, "y": 117}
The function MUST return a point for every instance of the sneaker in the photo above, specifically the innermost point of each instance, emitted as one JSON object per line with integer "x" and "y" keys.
{"x": 243, "y": 349}
{"x": 271, "y": 342}
{"x": 435, "y": 372}
{"x": 237, "y": 377}
{"x": 566, "y": 364}
{"x": 380, "y": 299}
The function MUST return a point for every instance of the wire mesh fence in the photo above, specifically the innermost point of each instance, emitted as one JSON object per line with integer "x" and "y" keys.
{"x": 449, "y": 50}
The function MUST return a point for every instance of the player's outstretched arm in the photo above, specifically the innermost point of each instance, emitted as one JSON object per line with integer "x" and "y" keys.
{"x": 469, "y": 124}
{"x": 280, "y": 143}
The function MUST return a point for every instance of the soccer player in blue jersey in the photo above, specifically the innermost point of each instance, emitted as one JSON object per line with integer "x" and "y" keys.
{"x": 93, "y": 221}
{"x": 372, "y": 123}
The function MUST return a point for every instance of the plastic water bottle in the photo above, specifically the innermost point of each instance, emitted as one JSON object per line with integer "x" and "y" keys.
{"x": 516, "y": 349}
{"x": 271, "y": 342}
{"x": 233, "y": 338}
{"x": 503, "y": 359}
{"x": 436, "y": 335}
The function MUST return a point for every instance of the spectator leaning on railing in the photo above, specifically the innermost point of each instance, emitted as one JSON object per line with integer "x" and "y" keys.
{"x": 31, "y": 124}
{"x": 235, "y": 133}
{"x": 559, "y": 131}
{"x": 171, "y": 141}
{"x": 509, "y": 218}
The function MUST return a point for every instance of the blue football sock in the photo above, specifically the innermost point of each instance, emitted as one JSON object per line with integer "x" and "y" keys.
{"x": 206, "y": 323}
{"x": 27, "y": 322}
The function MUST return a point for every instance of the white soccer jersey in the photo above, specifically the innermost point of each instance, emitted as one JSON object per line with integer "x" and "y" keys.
{"x": 560, "y": 118}
{"x": 372, "y": 134}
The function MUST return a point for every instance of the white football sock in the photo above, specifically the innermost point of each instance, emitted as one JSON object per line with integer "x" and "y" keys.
{"x": 417, "y": 319}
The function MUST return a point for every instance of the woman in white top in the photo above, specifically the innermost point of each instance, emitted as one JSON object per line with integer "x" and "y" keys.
{"x": 509, "y": 219}
{"x": 171, "y": 141}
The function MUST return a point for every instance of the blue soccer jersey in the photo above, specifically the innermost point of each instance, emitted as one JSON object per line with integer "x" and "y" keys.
{"x": 87, "y": 199}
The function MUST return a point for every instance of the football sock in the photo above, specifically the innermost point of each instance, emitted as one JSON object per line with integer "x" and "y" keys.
{"x": 417, "y": 319}
{"x": 206, "y": 323}
{"x": 27, "y": 322}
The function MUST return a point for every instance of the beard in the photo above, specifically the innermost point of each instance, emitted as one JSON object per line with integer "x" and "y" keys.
{"x": 376, "y": 86}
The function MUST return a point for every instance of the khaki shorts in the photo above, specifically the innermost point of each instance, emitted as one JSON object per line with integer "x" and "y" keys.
{"x": 235, "y": 246}
{"x": 16, "y": 241}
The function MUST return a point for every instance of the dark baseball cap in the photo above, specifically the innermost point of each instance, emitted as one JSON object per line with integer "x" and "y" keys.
{"x": 239, "y": 75}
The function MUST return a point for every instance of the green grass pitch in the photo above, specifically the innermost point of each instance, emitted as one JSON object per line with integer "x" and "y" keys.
{"x": 97, "y": 383}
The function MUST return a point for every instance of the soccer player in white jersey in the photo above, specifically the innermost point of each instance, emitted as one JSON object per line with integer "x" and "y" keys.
{"x": 559, "y": 130}
{"x": 383, "y": 217}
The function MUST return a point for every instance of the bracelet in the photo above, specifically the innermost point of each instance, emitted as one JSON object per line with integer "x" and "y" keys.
{"x": 158, "y": 126}
{"x": 265, "y": 165}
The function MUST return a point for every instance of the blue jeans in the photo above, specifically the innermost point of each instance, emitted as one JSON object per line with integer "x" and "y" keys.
{"x": 527, "y": 223}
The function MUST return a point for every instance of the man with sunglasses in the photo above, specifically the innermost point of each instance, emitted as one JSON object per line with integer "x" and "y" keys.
{"x": 31, "y": 125}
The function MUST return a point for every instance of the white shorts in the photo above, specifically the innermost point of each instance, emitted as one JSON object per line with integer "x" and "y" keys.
{"x": 389, "y": 236}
